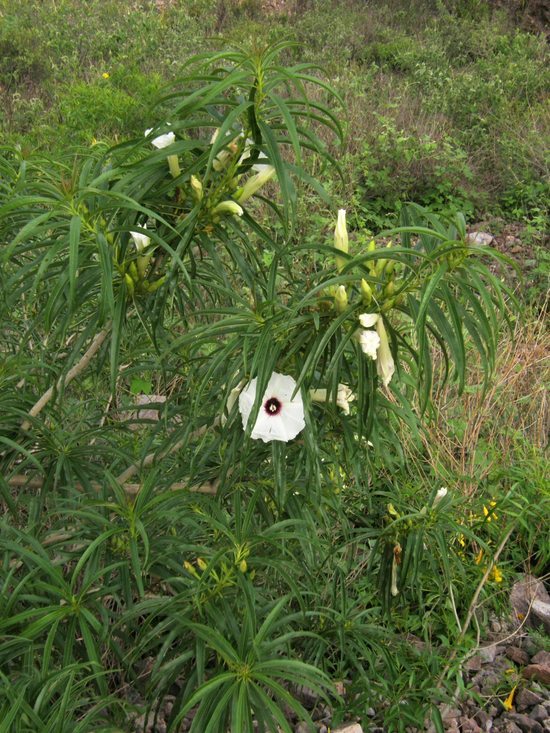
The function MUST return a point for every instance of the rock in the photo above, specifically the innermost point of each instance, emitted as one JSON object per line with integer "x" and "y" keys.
{"x": 527, "y": 699}
{"x": 302, "y": 728}
{"x": 517, "y": 655}
{"x": 349, "y": 728}
{"x": 488, "y": 653}
{"x": 522, "y": 596}
{"x": 539, "y": 713}
{"x": 541, "y": 609}
{"x": 490, "y": 683}
{"x": 541, "y": 657}
{"x": 484, "y": 720}
{"x": 473, "y": 664}
{"x": 526, "y": 723}
{"x": 448, "y": 714}
{"x": 483, "y": 238}
{"x": 510, "y": 727}
{"x": 469, "y": 725}
{"x": 540, "y": 672}
{"x": 546, "y": 725}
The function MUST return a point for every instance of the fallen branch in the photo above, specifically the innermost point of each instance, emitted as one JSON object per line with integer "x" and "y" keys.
{"x": 150, "y": 458}
{"x": 63, "y": 381}
{"x": 210, "y": 487}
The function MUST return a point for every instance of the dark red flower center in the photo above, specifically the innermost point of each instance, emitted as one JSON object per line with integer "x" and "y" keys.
{"x": 273, "y": 406}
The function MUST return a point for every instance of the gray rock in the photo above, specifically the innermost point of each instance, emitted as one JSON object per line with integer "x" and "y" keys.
{"x": 510, "y": 727}
{"x": 483, "y": 238}
{"x": 488, "y": 653}
{"x": 541, "y": 609}
{"x": 527, "y": 699}
{"x": 302, "y": 728}
{"x": 538, "y": 713}
{"x": 522, "y": 596}
{"x": 349, "y": 728}
{"x": 527, "y": 724}
{"x": 484, "y": 720}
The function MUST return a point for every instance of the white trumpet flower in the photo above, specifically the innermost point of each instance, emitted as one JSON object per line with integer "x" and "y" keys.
{"x": 281, "y": 415}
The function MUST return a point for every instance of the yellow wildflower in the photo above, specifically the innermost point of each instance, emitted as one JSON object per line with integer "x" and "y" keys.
{"x": 105, "y": 75}
{"x": 508, "y": 704}
{"x": 496, "y": 575}
{"x": 488, "y": 512}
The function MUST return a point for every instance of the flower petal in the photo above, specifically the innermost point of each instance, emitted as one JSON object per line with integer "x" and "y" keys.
{"x": 385, "y": 363}
{"x": 284, "y": 425}
{"x": 368, "y": 320}
{"x": 370, "y": 343}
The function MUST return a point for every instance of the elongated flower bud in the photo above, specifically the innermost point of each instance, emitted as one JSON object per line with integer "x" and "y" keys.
{"x": 196, "y": 187}
{"x": 228, "y": 207}
{"x": 341, "y": 238}
{"x": 385, "y": 364}
{"x": 256, "y": 182}
{"x": 341, "y": 298}
{"x": 366, "y": 292}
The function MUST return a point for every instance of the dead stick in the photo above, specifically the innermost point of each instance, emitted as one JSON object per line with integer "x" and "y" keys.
{"x": 150, "y": 458}
{"x": 63, "y": 381}
{"x": 20, "y": 480}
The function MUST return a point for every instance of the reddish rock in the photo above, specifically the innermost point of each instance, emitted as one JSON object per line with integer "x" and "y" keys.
{"x": 517, "y": 655}
{"x": 540, "y": 672}
{"x": 542, "y": 657}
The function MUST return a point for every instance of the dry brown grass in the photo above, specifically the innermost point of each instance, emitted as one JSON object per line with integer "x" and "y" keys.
{"x": 515, "y": 404}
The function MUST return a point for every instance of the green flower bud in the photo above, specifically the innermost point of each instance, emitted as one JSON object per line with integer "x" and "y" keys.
{"x": 228, "y": 207}
{"x": 341, "y": 299}
{"x": 366, "y": 292}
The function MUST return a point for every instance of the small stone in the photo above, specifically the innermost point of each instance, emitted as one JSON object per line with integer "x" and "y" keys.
{"x": 450, "y": 714}
{"x": 482, "y": 719}
{"x": 510, "y": 727}
{"x": 490, "y": 683}
{"x": 323, "y": 728}
{"x": 517, "y": 655}
{"x": 370, "y": 712}
{"x": 540, "y": 672}
{"x": 546, "y": 725}
{"x": 468, "y": 725}
{"x": 541, "y": 609}
{"x": 483, "y": 238}
{"x": 539, "y": 713}
{"x": 522, "y": 596}
{"x": 473, "y": 664}
{"x": 488, "y": 653}
{"x": 527, "y": 724}
{"x": 349, "y": 728}
{"x": 527, "y": 699}
{"x": 542, "y": 657}
{"x": 302, "y": 728}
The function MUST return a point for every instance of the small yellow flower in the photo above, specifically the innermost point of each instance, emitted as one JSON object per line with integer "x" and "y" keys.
{"x": 508, "y": 704}
{"x": 488, "y": 512}
{"x": 105, "y": 75}
{"x": 496, "y": 575}
{"x": 478, "y": 557}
